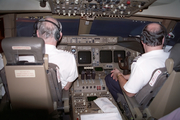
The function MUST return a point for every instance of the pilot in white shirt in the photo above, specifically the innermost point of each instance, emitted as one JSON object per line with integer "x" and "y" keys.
{"x": 49, "y": 29}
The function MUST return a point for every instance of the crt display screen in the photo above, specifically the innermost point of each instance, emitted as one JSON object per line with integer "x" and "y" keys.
{"x": 84, "y": 57}
{"x": 91, "y": 98}
{"x": 106, "y": 56}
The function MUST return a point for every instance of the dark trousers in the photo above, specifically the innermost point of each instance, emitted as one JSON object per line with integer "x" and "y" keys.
{"x": 113, "y": 86}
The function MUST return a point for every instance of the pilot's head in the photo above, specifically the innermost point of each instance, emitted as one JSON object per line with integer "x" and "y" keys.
{"x": 49, "y": 29}
{"x": 153, "y": 35}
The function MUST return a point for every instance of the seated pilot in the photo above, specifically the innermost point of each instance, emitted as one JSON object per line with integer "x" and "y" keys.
{"x": 152, "y": 39}
{"x": 49, "y": 29}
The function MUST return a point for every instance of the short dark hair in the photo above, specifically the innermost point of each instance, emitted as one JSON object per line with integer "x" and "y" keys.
{"x": 153, "y": 38}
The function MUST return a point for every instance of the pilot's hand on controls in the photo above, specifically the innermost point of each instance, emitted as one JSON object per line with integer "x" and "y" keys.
{"x": 114, "y": 74}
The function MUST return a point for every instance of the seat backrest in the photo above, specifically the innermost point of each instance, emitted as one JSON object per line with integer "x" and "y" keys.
{"x": 134, "y": 106}
{"x": 168, "y": 97}
{"x": 149, "y": 91}
{"x": 30, "y": 85}
{"x": 55, "y": 85}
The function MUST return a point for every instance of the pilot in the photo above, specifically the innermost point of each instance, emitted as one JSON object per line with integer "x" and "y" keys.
{"x": 152, "y": 39}
{"x": 48, "y": 30}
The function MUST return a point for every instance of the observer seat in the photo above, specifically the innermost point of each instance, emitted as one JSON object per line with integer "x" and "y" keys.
{"x": 31, "y": 84}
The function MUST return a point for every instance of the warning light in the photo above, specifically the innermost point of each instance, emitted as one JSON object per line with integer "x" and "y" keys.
{"x": 128, "y": 2}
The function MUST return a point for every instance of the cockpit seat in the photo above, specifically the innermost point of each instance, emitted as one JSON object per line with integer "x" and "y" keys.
{"x": 32, "y": 84}
{"x": 160, "y": 96}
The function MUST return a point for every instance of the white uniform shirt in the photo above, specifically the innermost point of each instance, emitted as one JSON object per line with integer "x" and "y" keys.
{"x": 142, "y": 69}
{"x": 65, "y": 61}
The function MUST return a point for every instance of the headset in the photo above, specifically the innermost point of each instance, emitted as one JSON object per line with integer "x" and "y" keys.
{"x": 57, "y": 33}
{"x": 145, "y": 35}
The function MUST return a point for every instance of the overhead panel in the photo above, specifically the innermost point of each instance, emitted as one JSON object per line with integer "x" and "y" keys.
{"x": 103, "y": 8}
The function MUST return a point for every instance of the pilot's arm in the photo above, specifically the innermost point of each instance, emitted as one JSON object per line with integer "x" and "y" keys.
{"x": 117, "y": 75}
{"x": 122, "y": 82}
{"x": 68, "y": 85}
{"x": 73, "y": 73}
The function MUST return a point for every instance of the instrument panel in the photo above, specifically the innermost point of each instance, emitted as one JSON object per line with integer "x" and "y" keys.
{"x": 95, "y": 56}
{"x": 94, "y": 40}
{"x": 99, "y": 52}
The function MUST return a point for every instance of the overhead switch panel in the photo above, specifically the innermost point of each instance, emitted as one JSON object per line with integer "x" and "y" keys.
{"x": 103, "y": 8}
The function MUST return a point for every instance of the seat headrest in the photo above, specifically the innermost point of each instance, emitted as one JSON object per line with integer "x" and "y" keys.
{"x": 16, "y": 46}
{"x": 174, "y": 58}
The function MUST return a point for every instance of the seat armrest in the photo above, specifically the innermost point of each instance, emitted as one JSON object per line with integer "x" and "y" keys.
{"x": 65, "y": 99}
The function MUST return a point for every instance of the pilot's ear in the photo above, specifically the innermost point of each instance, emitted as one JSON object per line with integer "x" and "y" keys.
{"x": 142, "y": 42}
{"x": 163, "y": 41}
{"x": 37, "y": 32}
{"x": 60, "y": 35}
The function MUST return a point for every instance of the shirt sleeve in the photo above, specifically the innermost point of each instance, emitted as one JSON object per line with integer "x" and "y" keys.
{"x": 135, "y": 82}
{"x": 73, "y": 71}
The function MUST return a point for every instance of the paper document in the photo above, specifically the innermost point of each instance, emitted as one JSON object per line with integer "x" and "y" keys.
{"x": 101, "y": 116}
{"x": 110, "y": 111}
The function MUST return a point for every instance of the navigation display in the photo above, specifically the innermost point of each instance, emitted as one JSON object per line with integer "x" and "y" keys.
{"x": 84, "y": 57}
{"x": 106, "y": 56}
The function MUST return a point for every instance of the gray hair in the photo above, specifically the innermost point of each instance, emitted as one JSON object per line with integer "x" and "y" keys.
{"x": 45, "y": 30}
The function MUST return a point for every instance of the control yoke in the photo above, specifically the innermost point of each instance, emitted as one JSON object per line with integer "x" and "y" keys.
{"x": 125, "y": 68}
